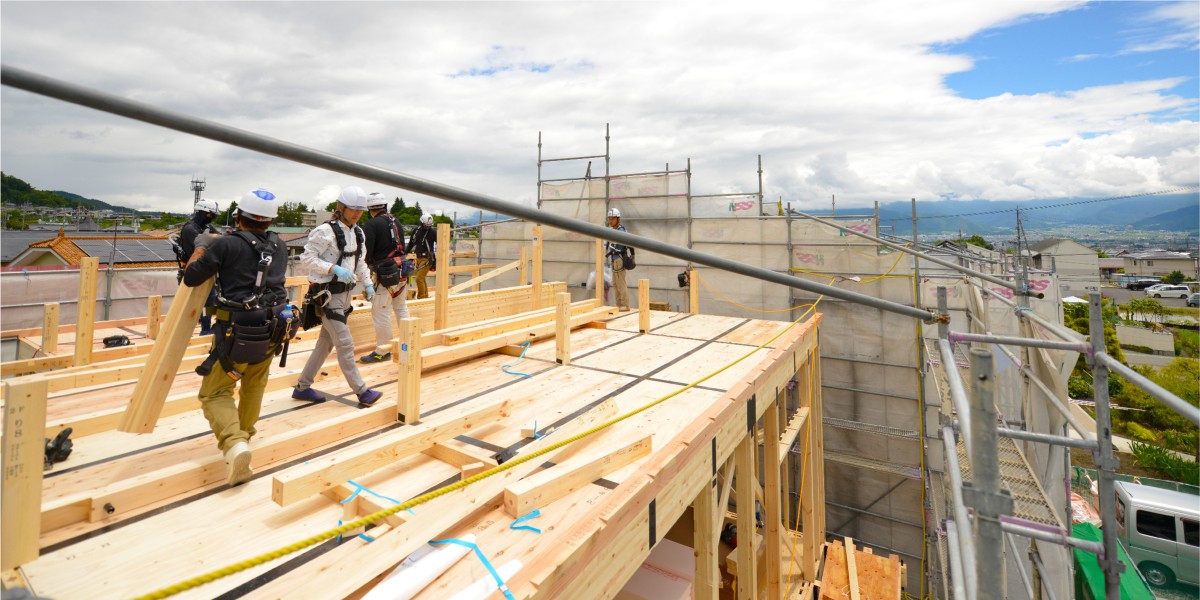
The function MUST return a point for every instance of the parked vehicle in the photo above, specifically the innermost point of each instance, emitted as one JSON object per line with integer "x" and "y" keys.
{"x": 1194, "y": 299}
{"x": 1168, "y": 291}
{"x": 1156, "y": 286}
{"x": 1161, "y": 531}
{"x": 1138, "y": 282}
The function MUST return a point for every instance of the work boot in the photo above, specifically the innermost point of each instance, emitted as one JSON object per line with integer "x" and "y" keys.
{"x": 368, "y": 397}
{"x": 307, "y": 394}
{"x": 237, "y": 461}
{"x": 375, "y": 357}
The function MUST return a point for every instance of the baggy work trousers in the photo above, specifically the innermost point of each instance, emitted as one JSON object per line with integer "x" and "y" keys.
{"x": 423, "y": 265}
{"x": 233, "y": 422}
{"x": 382, "y": 308}
{"x": 618, "y": 281}
{"x": 334, "y": 335}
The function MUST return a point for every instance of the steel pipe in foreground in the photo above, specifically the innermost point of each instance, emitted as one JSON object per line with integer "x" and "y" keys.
{"x": 75, "y": 94}
{"x": 1159, "y": 393}
{"x": 1008, "y": 340}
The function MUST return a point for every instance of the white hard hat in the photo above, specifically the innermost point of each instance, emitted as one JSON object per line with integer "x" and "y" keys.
{"x": 206, "y": 205}
{"x": 353, "y": 197}
{"x": 376, "y": 200}
{"x": 259, "y": 204}
{"x": 612, "y": 212}
{"x": 427, "y": 219}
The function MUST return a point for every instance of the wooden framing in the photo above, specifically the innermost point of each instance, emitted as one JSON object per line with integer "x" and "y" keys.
{"x": 442, "y": 281}
{"x": 599, "y": 272}
{"x": 89, "y": 266}
{"x": 562, "y": 328}
{"x": 537, "y": 267}
{"x": 694, "y": 292}
{"x": 407, "y": 351}
{"x": 644, "y": 305}
{"x": 24, "y": 448}
{"x": 478, "y": 279}
{"x": 153, "y": 316}
{"x": 50, "y": 328}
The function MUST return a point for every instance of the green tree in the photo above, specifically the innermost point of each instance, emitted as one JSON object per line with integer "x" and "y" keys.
{"x": 1175, "y": 278}
{"x": 331, "y": 207}
{"x": 974, "y": 240}
{"x": 1178, "y": 377}
{"x": 226, "y": 218}
{"x": 397, "y": 207}
{"x": 291, "y": 214}
{"x": 1076, "y": 317}
{"x": 1146, "y": 307}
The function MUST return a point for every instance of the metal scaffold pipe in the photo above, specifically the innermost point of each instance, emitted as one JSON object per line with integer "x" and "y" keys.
{"x": 1159, "y": 393}
{"x": 924, "y": 256}
{"x": 1106, "y": 463}
{"x": 1008, "y": 340}
{"x": 984, "y": 494}
{"x": 68, "y": 92}
{"x": 966, "y": 543}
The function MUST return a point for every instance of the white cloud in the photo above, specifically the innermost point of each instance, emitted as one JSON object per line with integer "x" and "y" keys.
{"x": 838, "y": 98}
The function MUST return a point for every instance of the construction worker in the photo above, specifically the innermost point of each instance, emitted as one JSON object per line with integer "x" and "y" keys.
{"x": 423, "y": 243}
{"x": 385, "y": 252}
{"x": 334, "y": 259}
{"x": 617, "y": 256}
{"x": 253, "y": 321}
{"x": 201, "y": 222}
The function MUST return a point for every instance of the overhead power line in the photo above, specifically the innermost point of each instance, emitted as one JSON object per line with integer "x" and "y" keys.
{"x": 1059, "y": 205}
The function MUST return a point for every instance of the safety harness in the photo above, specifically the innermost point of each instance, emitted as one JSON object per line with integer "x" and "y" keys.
{"x": 319, "y": 293}
{"x": 387, "y": 272}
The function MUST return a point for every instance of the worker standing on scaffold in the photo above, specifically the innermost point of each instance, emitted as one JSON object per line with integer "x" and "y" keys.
{"x": 330, "y": 248}
{"x": 618, "y": 257}
{"x": 253, "y": 323}
{"x": 385, "y": 252}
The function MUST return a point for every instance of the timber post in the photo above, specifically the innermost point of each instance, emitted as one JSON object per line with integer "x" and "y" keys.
{"x": 86, "y": 315}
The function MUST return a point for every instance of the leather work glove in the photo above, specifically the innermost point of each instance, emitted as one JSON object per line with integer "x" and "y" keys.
{"x": 369, "y": 292}
{"x": 343, "y": 274}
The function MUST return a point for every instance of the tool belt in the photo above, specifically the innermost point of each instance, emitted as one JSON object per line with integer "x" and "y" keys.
{"x": 317, "y": 299}
{"x": 387, "y": 272}
{"x": 250, "y": 337}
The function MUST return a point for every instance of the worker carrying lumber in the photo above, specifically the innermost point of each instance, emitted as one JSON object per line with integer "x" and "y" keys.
{"x": 620, "y": 258}
{"x": 333, "y": 257}
{"x": 253, "y": 323}
{"x": 424, "y": 245}
{"x": 203, "y": 214}
{"x": 385, "y": 259}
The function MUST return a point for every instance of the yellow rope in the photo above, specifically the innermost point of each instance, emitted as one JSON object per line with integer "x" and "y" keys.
{"x": 696, "y": 274}
{"x": 387, "y": 512}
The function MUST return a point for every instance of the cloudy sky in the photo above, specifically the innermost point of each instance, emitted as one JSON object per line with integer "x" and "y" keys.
{"x": 887, "y": 100}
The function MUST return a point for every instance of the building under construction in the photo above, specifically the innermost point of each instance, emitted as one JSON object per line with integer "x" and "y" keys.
{"x": 797, "y": 406}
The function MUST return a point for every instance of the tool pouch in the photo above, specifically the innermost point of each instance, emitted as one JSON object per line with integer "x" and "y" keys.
{"x": 387, "y": 272}
{"x": 251, "y": 343}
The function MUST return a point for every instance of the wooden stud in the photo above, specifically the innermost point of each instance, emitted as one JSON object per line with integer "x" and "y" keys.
{"x": 537, "y": 266}
{"x": 50, "y": 328}
{"x": 478, "y": 279}
{"x": 89, "y": 267}
{"x": 442, "y": 281}
{"x": 562, "y": 328}
{"x": 644, "y": 305}
{"x": 152, "y": 387}
{"x": 599, "y": 272}
{"x": 772, "y": 497}
{"x": 851, "y": 569}
{"x": 524, "y": 268}
{"x": 154, "y": 316}
{"x": 694, "y": 292}
{"x": 544, "y": 487}
{"x": 24, "y": 450}
{"x": 788, "y": 437}
{"x": 407, "y": 350}
{"x": 472, "y": 469}
{"x": 459, "y": 454}
{"x": 705, "y": 538}
{"x": 747, "y": 572}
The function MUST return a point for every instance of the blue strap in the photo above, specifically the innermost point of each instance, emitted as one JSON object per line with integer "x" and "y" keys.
{"x": 536, "y": 435}
{"x": 517, "y": 524}
{"x": 524, "y": 349}
{"x": 483, "y": 559}
{"x": 361, "y": 535}
{"x": 362, "y": 488}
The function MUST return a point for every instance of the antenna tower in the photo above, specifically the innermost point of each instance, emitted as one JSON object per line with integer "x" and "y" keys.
{"x": 197, "y": 187}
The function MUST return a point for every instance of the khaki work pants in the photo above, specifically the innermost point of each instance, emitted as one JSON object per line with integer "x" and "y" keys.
{"x": 618, "y": 268}
{"x": 233, "y": 422}
{"x": 423, "y": 266}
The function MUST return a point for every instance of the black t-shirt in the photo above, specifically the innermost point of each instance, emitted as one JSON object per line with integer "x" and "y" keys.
{"x": 423, "y": 240}
{"x": 381, "y": 238}
{"x": 187, "y": 235}
{"x": 235, "y": 263}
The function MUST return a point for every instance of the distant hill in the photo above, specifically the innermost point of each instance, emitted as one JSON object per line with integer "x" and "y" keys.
{"x": 1183, "y": 219}
{"x": 14, "y": 190}
{"x": 97, "y": 204}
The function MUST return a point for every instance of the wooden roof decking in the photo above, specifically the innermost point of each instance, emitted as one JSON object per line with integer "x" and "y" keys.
{"x": 193, "y": 523}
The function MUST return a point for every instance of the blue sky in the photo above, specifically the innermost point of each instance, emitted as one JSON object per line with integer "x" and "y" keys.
{"x": 1099, "y": 43}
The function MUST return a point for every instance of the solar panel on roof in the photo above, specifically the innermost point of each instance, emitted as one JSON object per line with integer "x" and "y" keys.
{"x": 129, "y": 250}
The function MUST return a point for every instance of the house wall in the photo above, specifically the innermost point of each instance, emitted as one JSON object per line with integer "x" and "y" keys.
{"x": 1160, "y": 266}
{"x": 1077, "y": 266}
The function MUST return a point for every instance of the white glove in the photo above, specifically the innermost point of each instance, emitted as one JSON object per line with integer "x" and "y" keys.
{"x": 369, "y": 292}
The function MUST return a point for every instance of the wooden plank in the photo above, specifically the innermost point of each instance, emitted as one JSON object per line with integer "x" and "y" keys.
{"x": 152, "y": 388}
{"x": 851, "y": 569}
{"x": 459, "y": 454}
{"x": 24, "y": 451}
{"x": 644, "y": 305}
{"x": 50, "y": 328}
{"x": 70, "y": 327}
{"x": 486, "y": 276}
{"x": 773, "y": 536}
{"x": 442, "y": 281}
{"x": 793, "y": 430}
{"x": 544, "y": 487}
{"x": 599, "y": 272}
{"x": 471, "y": 269}
{"x": 86, "y": 315}
{"x": 694, "y": 292}
{"x": 444, "y": 355}
{"x": 747, "y": 571}
{"x": 319, "y": 475}
{"x": 508, "y": 323}
{"x": 562, "y": 329}
{"x": 524, "y": 269}
{"x": 705, "y": 539}
{"x": 537, "y": 266}
{"x": 153, "y": 316}
{"x": 407, "y": 350}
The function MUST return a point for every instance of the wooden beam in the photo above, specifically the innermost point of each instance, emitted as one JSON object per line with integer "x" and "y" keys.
{"x": 86, "y": 315}
{"x": 772, "y": 498}
{"x": 50, "y": 328}
{"x": 478, "y": 279}
{"x": 501, "y": 325}
{"x": 599, "y": 272}
{"x": 644, "y": 305}
{"x": 444, "y": 355}
{"x": 705, "y": 540}
{"x": 537, "y": 266}
{"x": 24, "y": 451}
{"x": 407, "y": 350}
{"x": 524, "y": 268}
{"x": 442, "y": 281}
{"x": 319, "y": 475}
{"x": 153, "y": 316}
{"x": 789, "y": 435}
{"x": 152, "y": 388}
{"x": 459, "y": 454}
{"x": 562, "y": 329}
{"x": 852, "y": 569}
{"x": 544, "y": 487}
{"x": 471, "y": 268}
{"x": 747, "y": 571}
{"x": 694, "y": 292}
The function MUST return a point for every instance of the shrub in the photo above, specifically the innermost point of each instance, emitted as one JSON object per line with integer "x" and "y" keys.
{"x": 1171, "y": 465}
{"x": 1137, "y": 432}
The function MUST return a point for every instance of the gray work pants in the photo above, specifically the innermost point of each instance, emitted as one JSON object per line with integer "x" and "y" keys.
{"x": 382, "y": 308}
{"x": 334, "y": 335}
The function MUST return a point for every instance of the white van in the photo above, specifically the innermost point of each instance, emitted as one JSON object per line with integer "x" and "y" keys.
{"x": 1161, "y": 532}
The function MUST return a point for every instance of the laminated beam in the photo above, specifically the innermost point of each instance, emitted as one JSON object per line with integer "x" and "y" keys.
{"x": 50, "y": 328}
{"x": 407, "y": 351}
{"x": 644, "y": 305}
{"x": 478, "y": 279}
{"x": 441, "y": 297}
{"x": 537, "y": 266}
{"x": 562, "y": 328}
{"x": 86, "y": 314}
{"x": 24, "y": 450}
{"x": 153, "y": 316}
{"x": 544, "y": 487}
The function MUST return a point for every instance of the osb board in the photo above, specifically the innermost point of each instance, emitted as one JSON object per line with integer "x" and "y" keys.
{"x": 192, "y": 535}
{"x": 879, "y": 577}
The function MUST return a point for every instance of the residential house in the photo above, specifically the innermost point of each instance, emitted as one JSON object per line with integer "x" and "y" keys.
{"x": 1160, "y": 263}
{"x": 1077, "y": 266}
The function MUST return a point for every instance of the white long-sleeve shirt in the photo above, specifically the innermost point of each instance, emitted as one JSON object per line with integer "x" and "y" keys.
{"x": 321, "y": 254}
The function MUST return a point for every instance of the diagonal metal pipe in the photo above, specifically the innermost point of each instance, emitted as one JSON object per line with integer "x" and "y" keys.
{"x": 76, "y": 94}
